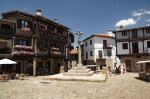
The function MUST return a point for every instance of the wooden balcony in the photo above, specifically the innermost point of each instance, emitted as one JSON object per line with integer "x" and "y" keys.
{"x": 6, "y": 32}
{"x": 133, "y": 55}
{"x": 24, "y": 32}
{"x": 133, "y": 39}
{"x": 5, "y": 52}
{"x": 23, "y": 50}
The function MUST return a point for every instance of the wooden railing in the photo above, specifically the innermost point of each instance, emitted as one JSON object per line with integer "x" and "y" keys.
{"x": 22, "y": 31}
{"x": 6, "y": 31}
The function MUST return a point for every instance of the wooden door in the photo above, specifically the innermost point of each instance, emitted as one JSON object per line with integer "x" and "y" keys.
{"x": 128, "y": 65}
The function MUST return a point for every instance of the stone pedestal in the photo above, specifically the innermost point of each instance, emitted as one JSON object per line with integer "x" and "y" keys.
{"x": 62, "y": 69}
{"x": 79, "y": 71}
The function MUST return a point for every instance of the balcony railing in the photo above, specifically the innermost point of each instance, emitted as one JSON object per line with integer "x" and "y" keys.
{"x": 23, "y": 50}
{"x": 6, "y": 31}
{"x": 5, "y": 50}
{"x": 56, "y": 51}
{"x": 24, "y": 31}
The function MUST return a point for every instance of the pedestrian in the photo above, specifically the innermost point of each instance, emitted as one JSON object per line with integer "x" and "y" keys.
{"x": 115, "y": 70}
{"x": 121, "y": 69}
{"x": 110, "y": 70}
{"x": 124, "y": 69}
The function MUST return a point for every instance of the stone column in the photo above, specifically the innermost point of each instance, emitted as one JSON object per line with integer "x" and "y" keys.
{"x": 25, "y": 67}
{"x": 13, "y": 44}
{"x": 22, "y": 66}
{"x": 79, "y": 49}
{"x": 51, "y": 67}
{"x": 34, "y": 67}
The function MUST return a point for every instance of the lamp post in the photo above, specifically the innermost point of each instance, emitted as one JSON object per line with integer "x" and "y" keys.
{"x": 79, "y": 48}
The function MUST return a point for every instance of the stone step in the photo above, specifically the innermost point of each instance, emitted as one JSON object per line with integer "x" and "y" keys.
{"x": 79, "y": 74}
{"x": 79, "y": 71}
{"x": 79, "y": 68}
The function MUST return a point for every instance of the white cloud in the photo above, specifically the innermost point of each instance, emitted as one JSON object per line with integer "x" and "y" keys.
{"x": 148, "y": 20}
{"x": 146, "y": 12}
{"x": 148, "y": 25}
{"x": 126, "y": 22}
{"x": 136, "y": 14}
{"x": 140, "y": 13}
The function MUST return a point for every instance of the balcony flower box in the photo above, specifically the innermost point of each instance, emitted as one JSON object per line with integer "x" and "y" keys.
{"x": 54, "y": 48}
{"x": 26, "y": 29}
{"x": 23, "y": 47}
{"x": 16, "y": 53}
{"x": 22, "y": 53}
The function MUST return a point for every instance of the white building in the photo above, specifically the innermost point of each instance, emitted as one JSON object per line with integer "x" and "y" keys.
{"x": 132, "y": 45}
{"x": 100, "y": 49}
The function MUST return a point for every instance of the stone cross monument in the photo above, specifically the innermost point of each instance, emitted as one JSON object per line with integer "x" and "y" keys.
{"x": 79, "y": 70}
{"x": 79, "y": 48}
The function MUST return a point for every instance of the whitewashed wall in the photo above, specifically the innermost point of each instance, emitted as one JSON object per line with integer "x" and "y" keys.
{"x": 97, "y": 44}
{"x": 120, "y": 50}
{"x": 145, "y": 46}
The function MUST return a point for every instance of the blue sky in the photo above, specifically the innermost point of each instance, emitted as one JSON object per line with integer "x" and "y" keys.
{"x": 88, "y": 16}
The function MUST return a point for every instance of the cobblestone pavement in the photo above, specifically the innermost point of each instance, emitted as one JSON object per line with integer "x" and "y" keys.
{"x": 125, "y": 86}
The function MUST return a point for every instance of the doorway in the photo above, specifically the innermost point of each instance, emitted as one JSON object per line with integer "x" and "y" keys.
{"x": 100, "y": 54}
{"x": 128, "y": 65}
{"x": 135, "y": 48}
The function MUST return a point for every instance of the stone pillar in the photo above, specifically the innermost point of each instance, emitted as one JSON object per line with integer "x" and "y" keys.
{"x": 34, "y": 67}
{"x": 13, "y": 44}
{"x": 79, "y": 49}
{"x": 25, "y": 67}
{"x": 22, "y": 67}
{"x": 51, "y": 67}
{"x": 35, "y": 46}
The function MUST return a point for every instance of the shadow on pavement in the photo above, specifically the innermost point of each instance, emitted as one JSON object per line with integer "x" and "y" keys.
{"x": 138, "y": 78}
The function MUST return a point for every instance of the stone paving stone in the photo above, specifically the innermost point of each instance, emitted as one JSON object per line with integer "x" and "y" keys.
{"x": 125, "y": 86}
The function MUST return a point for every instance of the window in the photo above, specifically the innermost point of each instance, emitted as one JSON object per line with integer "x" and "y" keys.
{"x": 90, "y": 42}
{"x": 104, "y": 43}
{"x": 148, "y": 44}
{"x": 5, "y": 26}
{"x": 24, "y": 24}
{"x": 43, "y": 44}
{"x": 91, "y": 53}
{"x": 134, "y": 33}
{"x": 86, "y": 55}
{"x": 125, "y": 46}
{"x": 24, "y": 42}
{"x": 109, "y": 52}
{"x": 62, "y": 47}
{"x": 124, "y": 33}
{"x": 148, "y": 30}
{"x": 85, "y": 43}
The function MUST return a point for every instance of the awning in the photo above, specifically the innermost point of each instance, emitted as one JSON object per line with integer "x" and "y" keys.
{"x": 147, "y": 61}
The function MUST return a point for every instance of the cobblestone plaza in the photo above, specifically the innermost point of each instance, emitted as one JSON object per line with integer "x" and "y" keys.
{"x": 125, "y": 86}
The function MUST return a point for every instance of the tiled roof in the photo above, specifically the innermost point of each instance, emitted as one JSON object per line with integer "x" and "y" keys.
{"x": 130, "y": 29}
{"x": 99, "y": 35}
{"x": 102, "y": 35}
{"x": 34, "y": 15}
{"x": 74, "y": 51}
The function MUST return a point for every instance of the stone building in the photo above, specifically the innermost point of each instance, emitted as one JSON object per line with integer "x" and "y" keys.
{"x": 38, "y": 45}
{"x": 133, "y": 44}
{"x": 100, "y": 49}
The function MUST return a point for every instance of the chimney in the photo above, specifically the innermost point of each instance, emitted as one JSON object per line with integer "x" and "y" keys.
{"x": 55, "y": 20}
{"x": 121, "y": 27}
{"x": 110, "y": 30}
{"x": 38, "y": 12}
